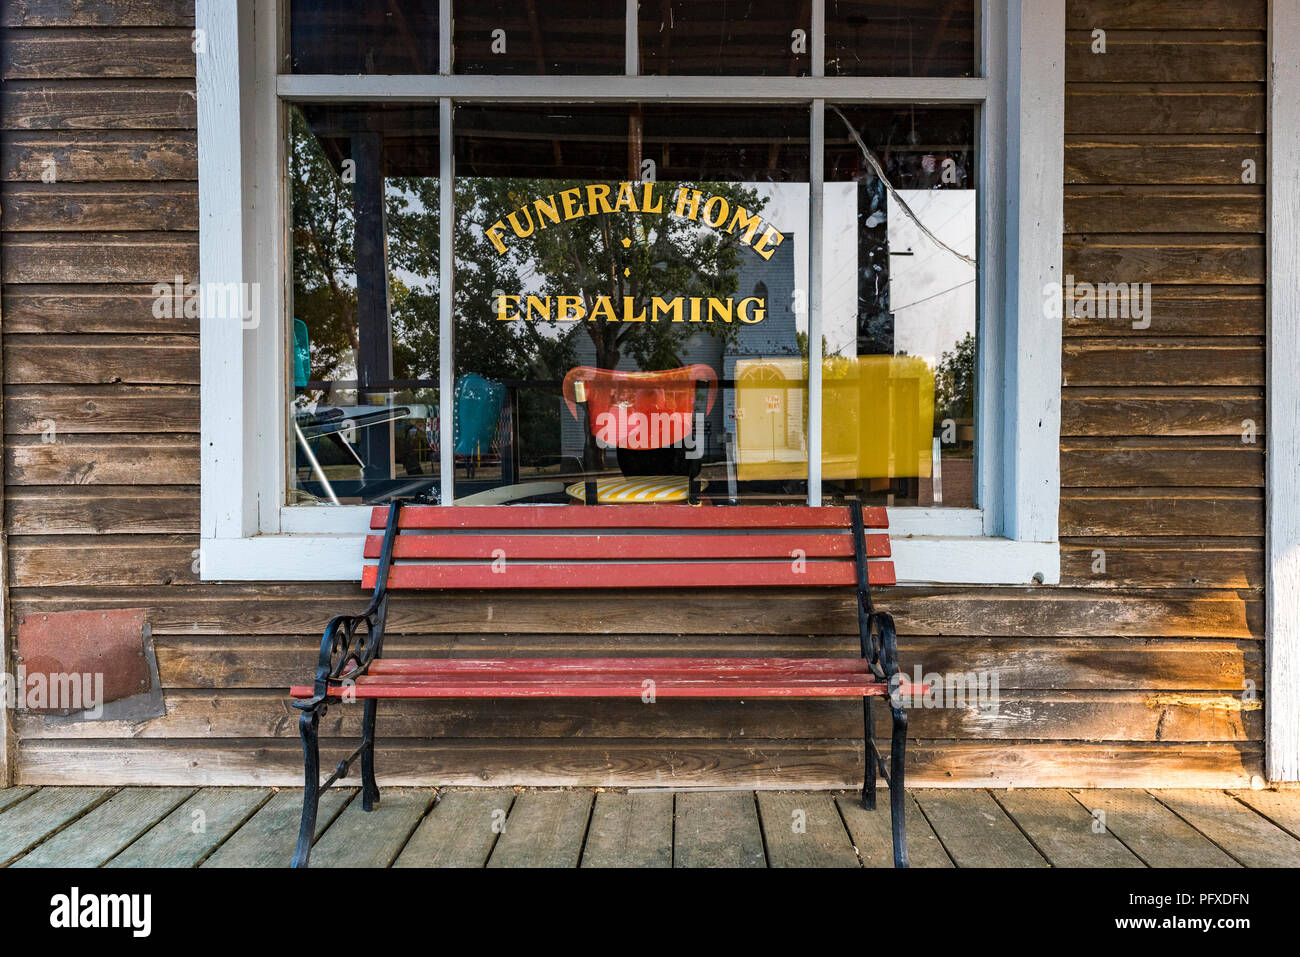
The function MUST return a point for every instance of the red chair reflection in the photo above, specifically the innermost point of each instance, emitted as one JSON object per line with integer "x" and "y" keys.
{"x": 652, "y": 419}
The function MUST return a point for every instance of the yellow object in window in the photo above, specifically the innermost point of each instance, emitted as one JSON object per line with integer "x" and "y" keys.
{"x": 877, "y": 418}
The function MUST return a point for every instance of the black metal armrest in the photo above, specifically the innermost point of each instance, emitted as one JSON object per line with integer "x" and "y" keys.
{"x": 347, "y": 648}
{"x": 879, "y": 641}
{"x": 886, "y": 641}
{"x": 350, "y": 643}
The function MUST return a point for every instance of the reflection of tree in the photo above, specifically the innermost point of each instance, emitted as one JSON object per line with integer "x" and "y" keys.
{"x": 324, "y": 288}
{"x": 324, "y": 277}
{"x": 954, "y": 382}
{"x": 664, "y": 256}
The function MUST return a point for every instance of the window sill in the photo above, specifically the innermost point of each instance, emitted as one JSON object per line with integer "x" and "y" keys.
{"x": 918, "y": 560}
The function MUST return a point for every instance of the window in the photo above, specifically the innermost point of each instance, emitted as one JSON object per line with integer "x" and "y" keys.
{"x": 650, "y": 251}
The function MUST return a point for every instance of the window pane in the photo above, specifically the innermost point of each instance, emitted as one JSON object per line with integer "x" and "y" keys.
{"x": 363, "y": 36}
{"x": 900, "y": 305}
{"x": 900, "y": 38}
{"x": 738, "y": 38}
{"x": 363, "y": 418}
{"x": 548, "y": 37}
{"x": 618, "y": 271}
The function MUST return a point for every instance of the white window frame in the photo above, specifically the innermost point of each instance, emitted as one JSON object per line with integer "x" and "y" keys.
{"x": 1282, "y": 420}
{"x": 250, "y": 534}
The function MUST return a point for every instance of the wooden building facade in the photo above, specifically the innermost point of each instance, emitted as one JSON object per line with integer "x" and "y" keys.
{"x": 1144, "y": 666}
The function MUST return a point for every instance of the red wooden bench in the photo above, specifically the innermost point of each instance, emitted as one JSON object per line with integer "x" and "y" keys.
{"x": 620, "y": 547}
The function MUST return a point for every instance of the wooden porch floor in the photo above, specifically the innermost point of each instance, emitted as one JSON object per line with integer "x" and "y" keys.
{"x": 530, "y": 827}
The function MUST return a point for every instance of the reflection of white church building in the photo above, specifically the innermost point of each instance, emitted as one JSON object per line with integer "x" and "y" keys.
{"x": 773, "y": 281}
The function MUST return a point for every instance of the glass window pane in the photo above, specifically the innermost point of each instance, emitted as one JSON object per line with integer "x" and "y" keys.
{"x": 900, "y": 300}
{"x": 363, "y": 417}
{"x": 363, "y": 36}
{"x": 618, "y": 271}
{"x": 736, "y": 38}
{"x": 900, "y": 38}
{"x": 541, "y": 37}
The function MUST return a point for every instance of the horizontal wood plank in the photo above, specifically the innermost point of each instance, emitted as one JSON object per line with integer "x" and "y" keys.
{"x": 1175, "y": 461}
{"x": 60, "y": 560}
{"x": 1173, "y": 562}
{"x": 1206, "y": 15}
{"x": 105, "y": 509}
{"x": 142, "y": 257}
{"x": 1172, "y": 411}
{"x": 1139, "y": 108}
{"x": 96, "y": 53}
{"x": 1147, "y": 209}
{"x": 95, "y": 156}
{"x": 1205, "y": 259}
{"x": 1169, "y": 362}
{"x": 1203, "y": 311}
{"x": 85, "y": 309}
{"x": 94, "y": 359}
{"x": 103, "y": 460}
{"x": 101, "y": 409}
{"x": 1185, "y": 54}
{"x": 81, "y": 207}
{"x": 98, "y": 13}
{"x": 274, "y": 662}
{"x": 1170, "y": 160}
{"x": 134, "y": 104}
{"x": 1016, "y": 716}
{"x": 630, "y": 764}
{"x": 278, "y": 608}
{"x": 1178, "y": 512}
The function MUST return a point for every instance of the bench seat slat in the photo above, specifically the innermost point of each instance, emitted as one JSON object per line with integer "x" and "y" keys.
{"x": 618, "y": 686}
{"x": 628, "y": 575}
{"x": 432, "y": 517}
{"x": 616, "y": 546}
{"x": 391, "y": 667}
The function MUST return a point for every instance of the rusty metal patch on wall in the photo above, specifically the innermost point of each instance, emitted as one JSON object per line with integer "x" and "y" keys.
{"x": 87, "y": 666}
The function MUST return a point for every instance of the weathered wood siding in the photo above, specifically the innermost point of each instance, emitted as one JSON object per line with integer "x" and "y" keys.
{"x": 1133, "y": 676}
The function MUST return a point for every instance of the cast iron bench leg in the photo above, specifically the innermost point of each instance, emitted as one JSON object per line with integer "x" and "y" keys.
{"x": 871, "y": 757}
{"x": 309, "y": 725}
{"x": 369, "y": 787}
{"x": 897, "y": 794}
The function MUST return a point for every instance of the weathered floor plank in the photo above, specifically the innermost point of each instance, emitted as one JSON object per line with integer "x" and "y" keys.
{"x": 804, "y": 829}
{"x": 1150, "y": 830}
{"x": 1063, "y": 830}
{"x": 630, "y": 830}
{"x": 191, "y": 832}
{"x": 360, "y": 838}
{"x": 717, "y": 829}
{"x": 1280, "y": 807}
{"x": 460, "y": 830}
{"x": 27, "y": 823}
{"x": 257, "y": 827}
{"x": 11, "y": 796}
{"x": 544, "y": 829}
{"x": 975, "y": 831}
{"x": 98, "y": 835}
{"x": 1249, "y": 838}
{"x": 267, "y": 838}
{"x": 874, "y": 839}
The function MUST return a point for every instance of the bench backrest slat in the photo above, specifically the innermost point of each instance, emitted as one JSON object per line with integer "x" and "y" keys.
{"x": 613, "y": 547}
{"x": 467, "y": 517}
{"x": 625, "y": 547}
{"x": 626, "y": 575}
